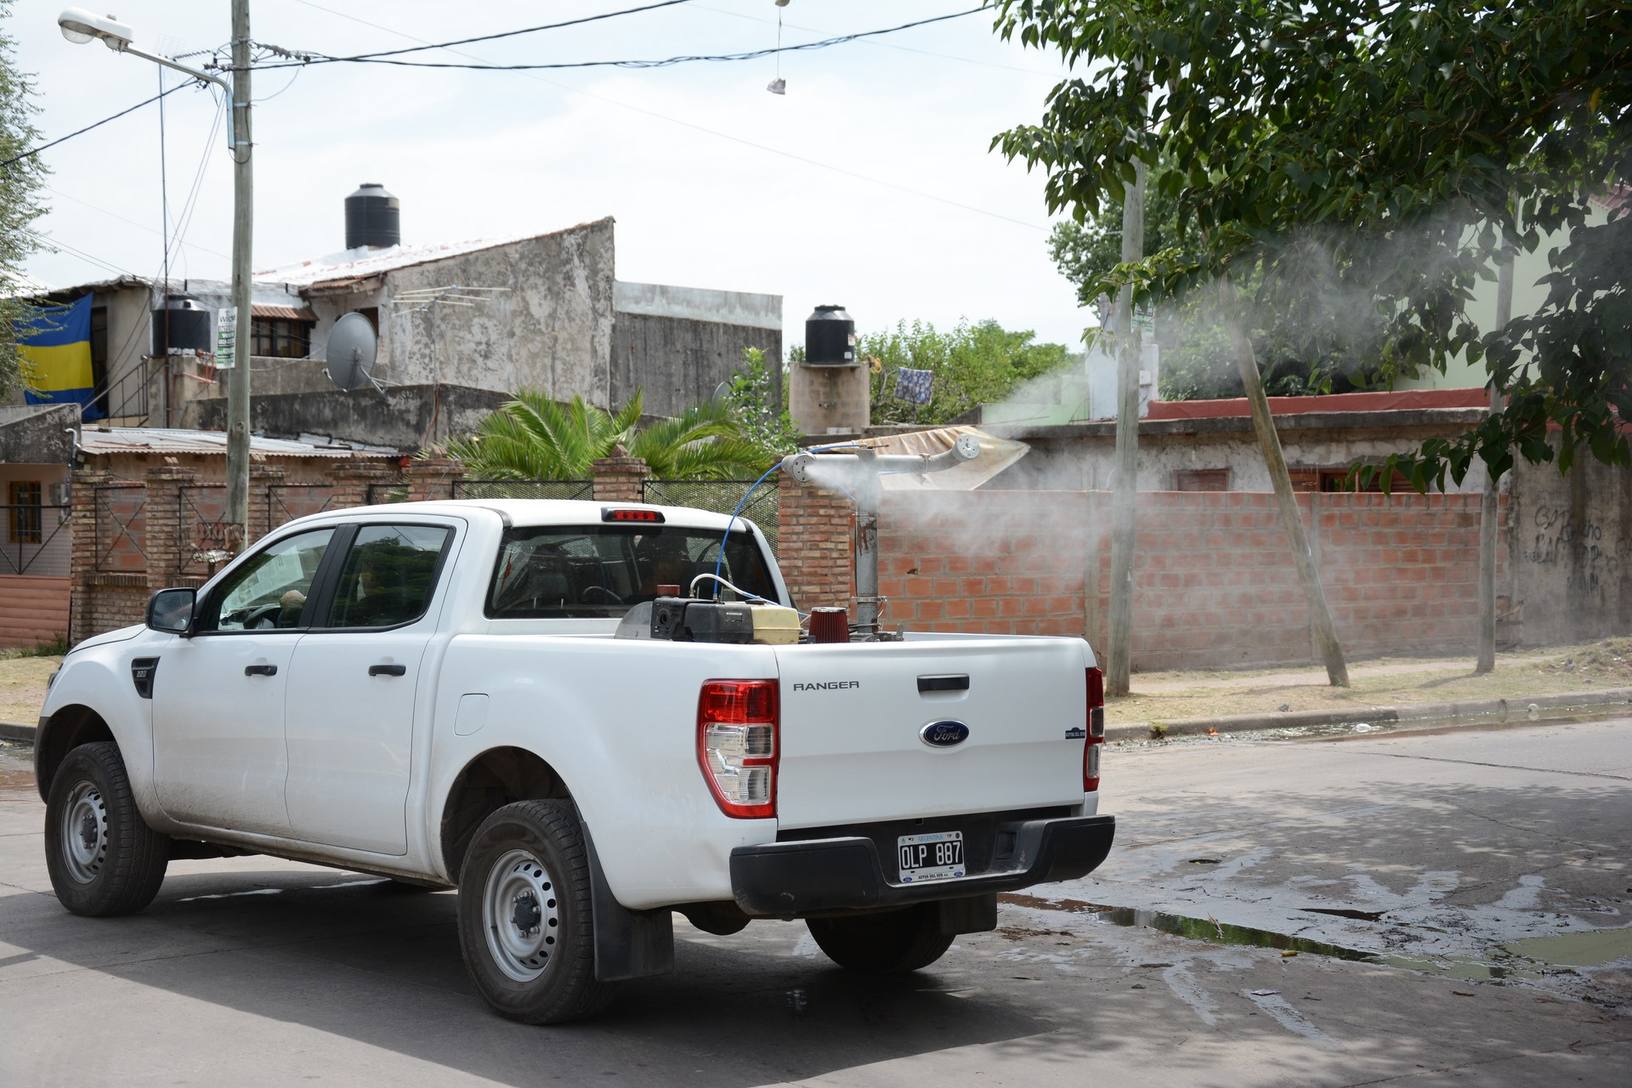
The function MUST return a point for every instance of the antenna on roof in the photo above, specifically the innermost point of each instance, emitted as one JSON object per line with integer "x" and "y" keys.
{"x": 351, "y": 352}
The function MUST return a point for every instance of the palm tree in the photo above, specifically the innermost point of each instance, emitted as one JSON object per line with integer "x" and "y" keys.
{"x": 535, "y": 438}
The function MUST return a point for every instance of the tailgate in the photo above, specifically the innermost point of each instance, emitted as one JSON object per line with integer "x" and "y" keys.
{"x": 854, "y": 715}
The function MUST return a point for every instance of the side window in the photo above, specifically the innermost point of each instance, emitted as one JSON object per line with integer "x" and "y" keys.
{"x": 269, "y": 591}
{"x": 389, "y": 576}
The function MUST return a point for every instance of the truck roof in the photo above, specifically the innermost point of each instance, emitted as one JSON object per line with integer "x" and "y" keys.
{"x": 541, "y": 512}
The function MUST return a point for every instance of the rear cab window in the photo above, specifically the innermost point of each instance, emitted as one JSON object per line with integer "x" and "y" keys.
{"x": 601, "y": 571}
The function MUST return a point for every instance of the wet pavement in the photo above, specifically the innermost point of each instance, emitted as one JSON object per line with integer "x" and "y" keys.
{"x": 1411, "y": 910}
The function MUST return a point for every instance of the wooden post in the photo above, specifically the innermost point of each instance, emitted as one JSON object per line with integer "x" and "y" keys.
{"x": 1270, "y": 443}
{"x": 1488, "y": 509}
{"x": 1125, "y": 502}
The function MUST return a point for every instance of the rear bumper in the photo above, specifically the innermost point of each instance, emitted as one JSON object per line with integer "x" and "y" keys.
{"x": 814, "y": 876}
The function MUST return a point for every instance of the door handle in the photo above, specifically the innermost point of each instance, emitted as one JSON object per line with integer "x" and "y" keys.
{"x": 260, "y": 670}
{"x": 387, "y": 670}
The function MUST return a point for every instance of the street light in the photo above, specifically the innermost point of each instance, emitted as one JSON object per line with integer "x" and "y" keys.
{"x": 80, "y": 26}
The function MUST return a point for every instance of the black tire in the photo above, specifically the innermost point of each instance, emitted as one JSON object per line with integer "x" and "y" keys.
{"x": 548, "y": 897}
{"x": 888, "y": 942}
{"x": 103, "y": 858}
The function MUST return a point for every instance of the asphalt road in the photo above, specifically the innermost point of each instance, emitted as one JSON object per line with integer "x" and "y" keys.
{"x": 1482, "y": 854}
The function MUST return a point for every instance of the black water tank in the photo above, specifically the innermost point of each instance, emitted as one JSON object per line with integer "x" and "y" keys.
{"x": 373, "y": 217}
{"x": 182, "y": 324}
{"x": 830, "y": 337}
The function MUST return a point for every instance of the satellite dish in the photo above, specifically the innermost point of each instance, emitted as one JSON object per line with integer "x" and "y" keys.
{"x": 351, "y": 352}
{"x": 722, "y": 391}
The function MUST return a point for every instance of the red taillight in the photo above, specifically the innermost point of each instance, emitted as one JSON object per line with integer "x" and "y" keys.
{"x": 1096, "y": 731}
{"x": 737, "y": 745}
{"x": 611, "y": 514}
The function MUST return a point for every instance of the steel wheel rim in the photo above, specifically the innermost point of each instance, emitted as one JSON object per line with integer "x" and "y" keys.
{"x": 83, "y": 833}
{"x": 520, "y": 915}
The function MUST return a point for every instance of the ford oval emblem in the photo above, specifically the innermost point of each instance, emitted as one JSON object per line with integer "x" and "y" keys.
{"x": 944, "y": 734}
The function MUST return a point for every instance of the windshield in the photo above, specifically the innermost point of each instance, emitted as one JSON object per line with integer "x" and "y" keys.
{"x": 604, "y": 570}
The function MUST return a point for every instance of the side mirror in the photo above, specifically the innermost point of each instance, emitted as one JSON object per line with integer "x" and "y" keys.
{"x": 172, "y": 610}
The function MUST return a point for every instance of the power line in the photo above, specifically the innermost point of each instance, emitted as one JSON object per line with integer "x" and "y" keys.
{"x": 695, "y": 127}
{"x": 887, "y": 45}
{"x": 95, "y": 124}
{"x": 502, "y": 34}
{"x": 664, "y": 62}
{"x": 132, "y": 222}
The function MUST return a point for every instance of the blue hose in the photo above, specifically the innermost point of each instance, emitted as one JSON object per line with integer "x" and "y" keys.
{"x": 746, "y": 495}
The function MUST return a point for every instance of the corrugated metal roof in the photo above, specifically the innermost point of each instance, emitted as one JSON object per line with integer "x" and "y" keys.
{"x": 287, "y": 313}
{"x": 99, "y": 441}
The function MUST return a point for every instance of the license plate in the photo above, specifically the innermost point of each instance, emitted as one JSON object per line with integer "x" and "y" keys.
{"x": 937, "y": 855}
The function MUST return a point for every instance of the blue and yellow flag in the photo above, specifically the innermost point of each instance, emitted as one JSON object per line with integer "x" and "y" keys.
{"x": 55, "y": 345}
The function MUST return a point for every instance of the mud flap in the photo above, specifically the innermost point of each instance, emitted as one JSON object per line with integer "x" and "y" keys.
{"x": 628, "y": 943}
{"x": 974, "y": 914}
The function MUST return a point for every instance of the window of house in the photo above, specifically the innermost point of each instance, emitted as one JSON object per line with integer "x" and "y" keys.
{"x": 1337, "y": 479}
{"x": 1201, "y": 479}
{"x": 280, "y": 337}
{"x": 24, "y": 513}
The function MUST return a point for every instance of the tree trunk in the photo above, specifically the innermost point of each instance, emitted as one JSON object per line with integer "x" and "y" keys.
{"x": 1489, "y": 508}
{"x": 1270, "y": 443}
{"x": 1127, "y": 445}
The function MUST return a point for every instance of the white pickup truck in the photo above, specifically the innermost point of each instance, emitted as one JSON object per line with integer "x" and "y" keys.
{"x": 444, "y": 694}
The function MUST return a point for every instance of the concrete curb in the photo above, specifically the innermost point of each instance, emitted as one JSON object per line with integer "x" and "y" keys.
{"x": 1559, "y": 705}
{"x": 13, "y": 731}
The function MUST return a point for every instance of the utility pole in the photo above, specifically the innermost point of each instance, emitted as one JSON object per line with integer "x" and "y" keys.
{"x": 242, "y": 239}
{"x": 1125, "y": 500}
{"x": 1269, "y": 442}
{"x": 1488, "y": 508}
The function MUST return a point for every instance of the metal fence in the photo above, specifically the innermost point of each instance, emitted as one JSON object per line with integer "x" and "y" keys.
{"x": 523, "y": 489}
{"x": 203, "y": 536}
{"x": 121, "y": 528}
{"x": 286, "y": 502}
{"x": 722, "y": 497}
{"x": 35, "y": 539}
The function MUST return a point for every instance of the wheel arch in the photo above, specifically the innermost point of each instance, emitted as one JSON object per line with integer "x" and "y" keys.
{"x": 489, "y": 781}
{"x": 66, "y": 729}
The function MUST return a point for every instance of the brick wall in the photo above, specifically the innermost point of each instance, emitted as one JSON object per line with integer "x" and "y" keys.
{"x": 814, "y": 548}
{"x": 1214, "y": 583}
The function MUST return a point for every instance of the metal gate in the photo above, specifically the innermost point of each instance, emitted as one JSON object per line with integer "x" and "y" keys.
{"x": 523, "y": 489}
{"x": 763, "y": 507}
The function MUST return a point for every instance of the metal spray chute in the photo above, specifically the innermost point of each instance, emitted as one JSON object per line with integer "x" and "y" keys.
{"x": 859, "y": 471}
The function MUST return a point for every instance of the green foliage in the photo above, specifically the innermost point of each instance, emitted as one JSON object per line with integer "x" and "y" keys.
{"x": 770, "y": 431}
{"x": 1197, "y": 359}
{"x": 973, "y": 365}
{"x": 20, "y": 184}
{"x": 535, "y": 438}
{"x": 1381, "y": 153}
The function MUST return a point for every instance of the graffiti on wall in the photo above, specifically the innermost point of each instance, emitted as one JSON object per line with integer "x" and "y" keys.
{"x": 1557, "y": 538}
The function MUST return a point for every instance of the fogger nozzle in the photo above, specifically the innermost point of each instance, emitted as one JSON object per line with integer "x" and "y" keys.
{"x": 864, "y": 463}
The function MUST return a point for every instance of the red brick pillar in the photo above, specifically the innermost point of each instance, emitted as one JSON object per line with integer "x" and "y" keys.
{"x": 815, "y": 546}
{"x": 82, "y": 563}
{"x": 166, "y": 538}
{"x": 432, "y": 479}
{"x": 357, "y": 482}
{"x": 265, "y": 514}
{"x": 619, "y": 477}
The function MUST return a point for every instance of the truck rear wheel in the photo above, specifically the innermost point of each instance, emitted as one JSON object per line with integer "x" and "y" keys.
{"x": 103, "y": 858}
{"x": 889, "y": 942}
{"x": 526, "y": 926}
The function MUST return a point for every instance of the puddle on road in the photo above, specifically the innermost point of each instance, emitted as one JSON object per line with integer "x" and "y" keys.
{"x": 1592, "y": 948}
{"x": 1214, "y": 932}
{"x": 1200, "y": 929}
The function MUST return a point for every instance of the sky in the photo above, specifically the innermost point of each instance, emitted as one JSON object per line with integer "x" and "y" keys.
{"x": 869, "y": 184}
